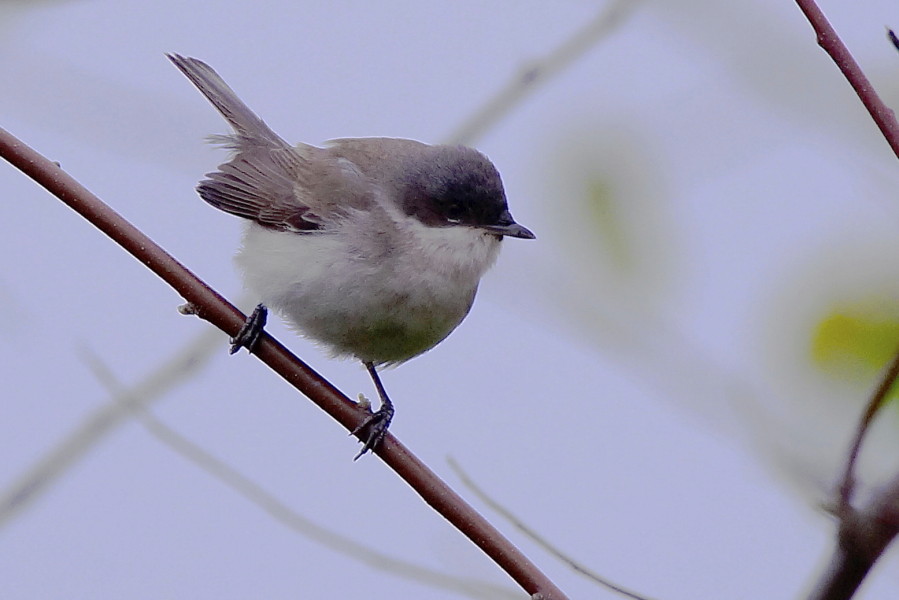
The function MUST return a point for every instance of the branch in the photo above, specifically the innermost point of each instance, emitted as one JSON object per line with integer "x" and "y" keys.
{"x": 875, "y": 403}
{"x": 863, "y": 535}
{"x": 36, "y": 480}
{"x": 215, "y": 309}
{"x": 829, "y": 40}
{"x": 540, "y": 71}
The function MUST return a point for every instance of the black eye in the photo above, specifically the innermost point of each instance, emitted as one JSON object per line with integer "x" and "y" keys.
{"x": 454, "y": 212}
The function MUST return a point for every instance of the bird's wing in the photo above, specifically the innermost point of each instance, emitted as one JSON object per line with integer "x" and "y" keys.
{"x": 267, "y": 186}
{"x": 268, "y": 181}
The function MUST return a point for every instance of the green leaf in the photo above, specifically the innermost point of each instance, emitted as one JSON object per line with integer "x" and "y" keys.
{"x": 855, "y": 343}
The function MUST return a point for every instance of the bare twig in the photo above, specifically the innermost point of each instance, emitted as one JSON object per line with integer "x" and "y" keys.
{"x": 215, "y": 309}
{"x": 829, "y": 40}
{"x": 891, "y": 35}
{"x": 539, "y": 539}
{"x": 875, "y": 403}
{"x": 50, "y": 467}
{"x": 540, "y": 71}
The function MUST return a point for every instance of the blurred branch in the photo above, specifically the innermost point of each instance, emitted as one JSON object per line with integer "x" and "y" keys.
{"x": 863, "y": 535}
{"x": 891, "y": 35}
{"x": 537, "y": 538}
{"x": 134, "y": 403}
{"x": 37, "y": 479}
{"x": 829, "y": 40}
{"x": 211, "y": 307}
{"x": 875, "y": 403}
{"x": 540, "y": 71}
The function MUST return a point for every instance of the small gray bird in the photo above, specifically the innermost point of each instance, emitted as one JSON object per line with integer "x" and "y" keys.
{"x": 373, "y": 247}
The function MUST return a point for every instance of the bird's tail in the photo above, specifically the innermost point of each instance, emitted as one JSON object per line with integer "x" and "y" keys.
{"x": 248, "y": 127}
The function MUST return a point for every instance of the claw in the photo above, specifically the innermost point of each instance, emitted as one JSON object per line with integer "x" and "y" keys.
{"x": 373, "y": 429}
{"x": 252, "y": 329}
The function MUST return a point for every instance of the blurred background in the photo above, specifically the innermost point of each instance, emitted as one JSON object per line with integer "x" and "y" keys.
{"x": 663, "y": 384}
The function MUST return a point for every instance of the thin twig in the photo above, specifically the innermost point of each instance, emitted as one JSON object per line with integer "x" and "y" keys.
{"x": 215, "y": 309}
{"x": 863, "y": 536}
{"x": 37, "y": 479}
{"x": 875, "y": 403}
{"x": 539, "y": 539}
{"x": 829, "y": 40}
{"x": 541, "y": 71}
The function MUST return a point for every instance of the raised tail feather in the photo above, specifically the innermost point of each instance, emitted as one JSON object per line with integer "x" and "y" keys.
{"x": 248, "y": 127}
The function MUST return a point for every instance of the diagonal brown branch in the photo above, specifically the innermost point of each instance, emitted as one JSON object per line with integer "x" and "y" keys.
{"x": 215, "y": 309}
{"x": 829, "y": 40}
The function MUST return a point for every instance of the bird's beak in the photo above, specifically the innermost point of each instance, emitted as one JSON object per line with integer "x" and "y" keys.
{"x": 513, "y": 230}
{"x": 507, "y": 227}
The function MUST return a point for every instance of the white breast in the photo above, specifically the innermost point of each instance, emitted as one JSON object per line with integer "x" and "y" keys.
{"x": 379, "y": 291}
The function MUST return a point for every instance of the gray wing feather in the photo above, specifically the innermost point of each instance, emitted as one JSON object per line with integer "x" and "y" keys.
{"x": 256, "y": 185}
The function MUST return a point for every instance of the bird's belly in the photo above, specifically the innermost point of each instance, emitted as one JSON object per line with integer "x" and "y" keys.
{"x": 383, "y": 327}
{"x": 383, "y": 311}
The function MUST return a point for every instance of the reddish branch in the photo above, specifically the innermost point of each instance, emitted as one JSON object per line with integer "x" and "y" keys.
{"x": 864, "y": 534}
{"x": 215, "y": 309}
{"x": 829, "y": 40}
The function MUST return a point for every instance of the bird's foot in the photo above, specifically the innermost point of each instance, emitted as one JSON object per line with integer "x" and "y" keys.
{"x": 249, "y": 334}
{"x": 373, "y": 429}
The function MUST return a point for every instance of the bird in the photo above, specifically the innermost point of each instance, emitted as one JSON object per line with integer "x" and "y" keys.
{"x": 372, "y": 247}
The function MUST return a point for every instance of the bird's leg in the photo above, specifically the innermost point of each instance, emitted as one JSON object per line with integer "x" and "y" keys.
{"x": 374, "y": 428}
{"x": 249, "y": 334}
